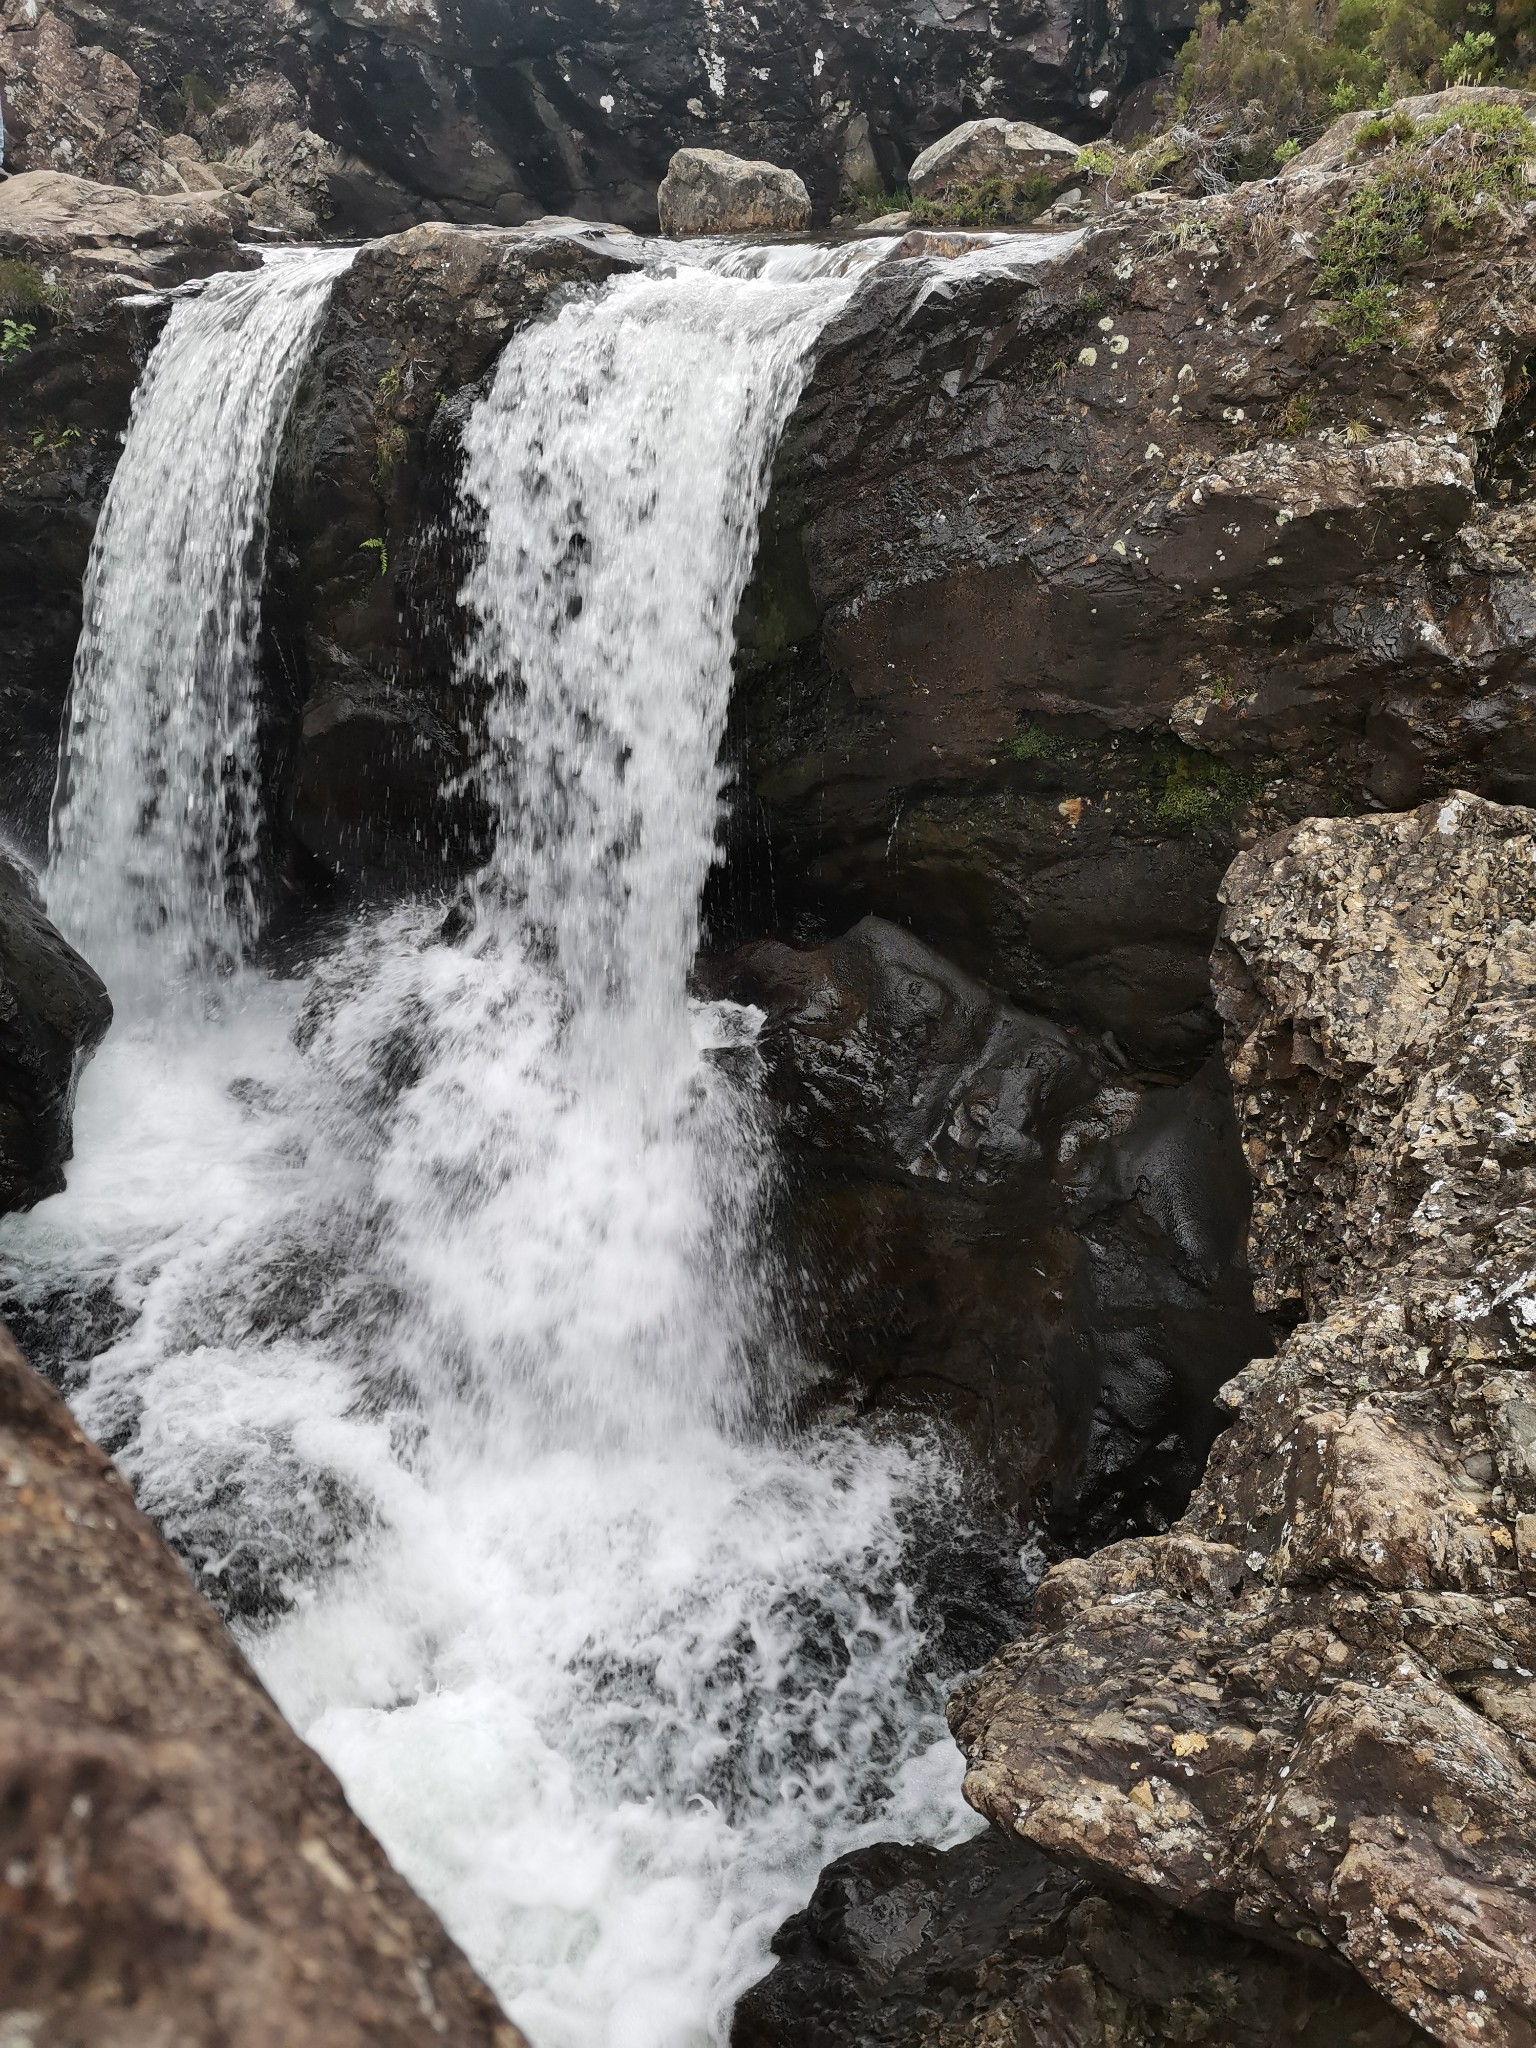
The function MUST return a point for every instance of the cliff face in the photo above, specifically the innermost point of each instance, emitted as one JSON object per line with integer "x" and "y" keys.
{"x": 1082, "y": 572}
{"x": 482, "y": 110}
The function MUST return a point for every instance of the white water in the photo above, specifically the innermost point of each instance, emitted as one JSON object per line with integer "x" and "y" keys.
{"x": 445, "y": 1322}
{"x": 156, "y": 818}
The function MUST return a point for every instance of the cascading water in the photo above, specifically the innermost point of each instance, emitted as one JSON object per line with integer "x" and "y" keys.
{"x": 443, "y": 1348}
{"x": 155, "y": 821}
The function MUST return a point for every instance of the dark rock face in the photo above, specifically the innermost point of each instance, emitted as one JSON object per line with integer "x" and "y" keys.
{"x": 993, "y": 1224}
{"x": 54, "y": 1012}
{"x": 369, "y": 548}
{"x": 907, "y": 1947}
{"x": 479, "y": 110}
{"x": 1080, "y": 573}
{"x": 69, "y": 253}
{"x": 1308, "y": 1710}
{"x": 177, "y": 1864}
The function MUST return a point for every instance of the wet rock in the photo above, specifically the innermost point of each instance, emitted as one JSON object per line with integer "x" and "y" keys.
{"x": 74, "y": 256}
{"x": 177, "y": 1864}
{"x": 1306, "y": 1711}
{"x": 910, "y": 1947}
{"x": 487, "y": 112}
{"x": 995, "y": 1226}
{"x": 706, "y": 192}
{"x": 978, "y": 150}
{"x": 1091, "y": 558}
{"x": 54, "y": 1012}
{"x": 361, "y": 621}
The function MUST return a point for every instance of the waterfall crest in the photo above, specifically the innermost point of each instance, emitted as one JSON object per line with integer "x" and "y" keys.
{"x": 157, "y": 812}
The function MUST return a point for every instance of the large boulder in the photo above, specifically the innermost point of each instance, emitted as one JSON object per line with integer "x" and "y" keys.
{"x": 54, "y": 1012}
{"x": 707, "y": 192}
{"x": 1015, "y": 151}
{"x": 995, "y": 1225}
{"x": 1309, "y": 1710}
{"x": 178, "y": 1866}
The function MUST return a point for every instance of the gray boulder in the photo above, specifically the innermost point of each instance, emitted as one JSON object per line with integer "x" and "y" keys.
{"x": 707, "y": 192}
{"x": 54, "y": 1012}
{"x": 978, "y": 150}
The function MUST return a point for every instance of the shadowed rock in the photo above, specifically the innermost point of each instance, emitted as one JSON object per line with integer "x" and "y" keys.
{"x": 54, "y": 1012}
{"x": 995, "y": 1224}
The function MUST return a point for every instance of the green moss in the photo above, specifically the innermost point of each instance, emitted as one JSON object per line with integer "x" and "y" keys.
{"x": 1201, "y": 792}
{"x": 1296, "y": 415}
{"x": 1098, "y": 160}
{"x": 1433, "y": 180}
{"x": 1033, "y": 743}
{"x": 377, "y": 547}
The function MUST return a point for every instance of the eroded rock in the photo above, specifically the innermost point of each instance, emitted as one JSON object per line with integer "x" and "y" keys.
{"x": 177, "y": 1864}
{"x": 1308, "y": 1710}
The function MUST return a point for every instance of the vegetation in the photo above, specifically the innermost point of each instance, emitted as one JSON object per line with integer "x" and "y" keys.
{"x": 1289, "y": 67}
{"x": 994, "y": 203}
{"x": 16, "y": 339}
{"x": 1434, "y": 178}
{"x": 377, "y": 547}
{"x": 24, "y": 290}
{"x": 1201, "y": 791}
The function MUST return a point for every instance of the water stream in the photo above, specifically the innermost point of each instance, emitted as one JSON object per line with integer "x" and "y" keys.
{"x": 441, "y": 1334}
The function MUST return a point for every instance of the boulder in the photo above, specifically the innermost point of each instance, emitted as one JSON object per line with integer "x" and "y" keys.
{"x": 995, "y": 1225}
{"x": 177, "y": 1864}
{"x": 991, "y": 1942}
{"x": 54, "y": 1012}
{"x": 707, "y": 192}
{"x": 1016, "y": 151}
{"x": 1308, "y": 1710}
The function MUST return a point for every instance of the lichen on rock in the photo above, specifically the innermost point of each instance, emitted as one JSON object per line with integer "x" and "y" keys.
{"x": 1309, "y": 1710}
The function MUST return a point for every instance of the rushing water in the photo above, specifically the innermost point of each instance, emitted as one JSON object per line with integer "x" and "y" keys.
{"x": 155, "y": 824}
{"x": 441, "y": 1338}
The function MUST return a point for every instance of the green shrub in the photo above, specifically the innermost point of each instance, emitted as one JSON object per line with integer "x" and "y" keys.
{"x": 1433, "y": 180}
{"x": 1297, "y": 64}
{"x": 24, "y": 290}
{"x": 995, "y": 202}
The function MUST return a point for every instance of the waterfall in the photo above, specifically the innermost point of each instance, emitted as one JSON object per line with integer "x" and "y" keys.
{"x": 156, "y": 817}
{"x": 444, "y": 1341}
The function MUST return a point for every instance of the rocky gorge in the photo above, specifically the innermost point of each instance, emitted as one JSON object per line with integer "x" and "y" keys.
{"x": 1130, "y": 748}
